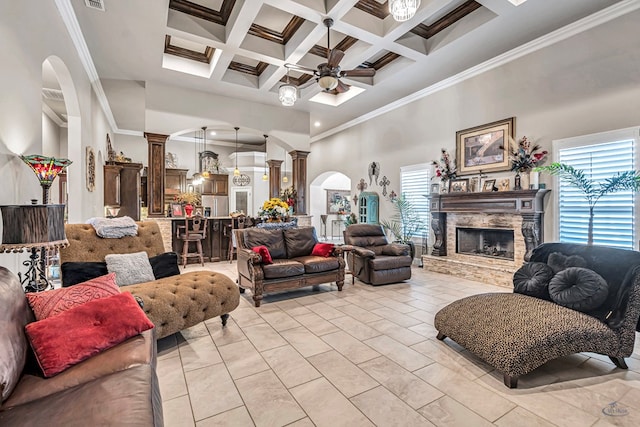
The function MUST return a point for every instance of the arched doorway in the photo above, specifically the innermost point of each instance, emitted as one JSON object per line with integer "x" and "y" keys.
{"x": 332, "y": 200}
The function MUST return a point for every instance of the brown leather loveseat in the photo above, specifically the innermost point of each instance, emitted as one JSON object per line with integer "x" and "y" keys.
{"x": 293, "y": 265}
{"x": 373, "y": 259}
{"x": 118, "y": 386}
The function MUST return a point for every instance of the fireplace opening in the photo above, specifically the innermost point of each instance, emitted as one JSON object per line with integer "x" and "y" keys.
{"x": 485, "y": 242}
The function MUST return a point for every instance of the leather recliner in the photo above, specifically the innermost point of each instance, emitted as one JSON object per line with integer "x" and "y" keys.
{"x": 373, "y": 259}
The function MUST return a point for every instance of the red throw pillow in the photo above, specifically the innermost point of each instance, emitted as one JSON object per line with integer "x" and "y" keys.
{"x": 50, "y": 303}
{"x": 77, "y": 334}
{"x": 264, "y": 253}
{"x": 322, "y": 249}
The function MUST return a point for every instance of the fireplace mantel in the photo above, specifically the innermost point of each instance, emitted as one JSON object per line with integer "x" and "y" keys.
{"x": 527, "y": 203}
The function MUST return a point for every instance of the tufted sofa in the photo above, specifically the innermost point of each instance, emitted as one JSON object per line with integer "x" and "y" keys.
{"x": 517, "y": 333}
{"x": 172, "y": 303}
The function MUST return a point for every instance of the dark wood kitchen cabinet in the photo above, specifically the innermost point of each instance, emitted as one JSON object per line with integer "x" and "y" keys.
{"x": 216, "y": 185}
{"x": 215, "y": 246}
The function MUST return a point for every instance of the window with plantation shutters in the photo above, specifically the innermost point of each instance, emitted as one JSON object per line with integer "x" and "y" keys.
{"x": 600, "y": 158}
{"x": 414, "y": 185}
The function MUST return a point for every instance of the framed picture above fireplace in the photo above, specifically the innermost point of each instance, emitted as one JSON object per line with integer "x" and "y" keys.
{"x": 482, "y": 148}
{"x": 459, "y": 185}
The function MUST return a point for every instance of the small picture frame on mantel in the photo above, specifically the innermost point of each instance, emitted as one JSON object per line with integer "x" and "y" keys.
{"x": 435, "y": 188}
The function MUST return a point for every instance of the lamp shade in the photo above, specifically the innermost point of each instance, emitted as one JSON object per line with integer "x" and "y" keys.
{"x": 328, "y": 82}
{"x": 287, "y": 94}
{"x": 45, "y": 168}
{"x": 32, "y": 226}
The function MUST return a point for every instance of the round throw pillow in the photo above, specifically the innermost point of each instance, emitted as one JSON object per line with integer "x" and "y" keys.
{"x": 533, "y": 279}
{"x": 579, "y": 289}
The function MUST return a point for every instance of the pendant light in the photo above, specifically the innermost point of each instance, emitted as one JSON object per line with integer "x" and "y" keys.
{"x": 288, "y": 93}
{"x": 265, "y": 177}
{"x": 236, "y": 171}
{"x": 205, "y": 173}
{"x": 403, "y": 10}
{"x": 285, "y": 179}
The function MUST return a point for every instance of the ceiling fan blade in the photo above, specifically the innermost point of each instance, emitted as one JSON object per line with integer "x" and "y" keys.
{"x": 301, "y": 69}
{"x": 342, "y": 87}
{"x": 335, "y": 57}
{"x": 359, "y": 72}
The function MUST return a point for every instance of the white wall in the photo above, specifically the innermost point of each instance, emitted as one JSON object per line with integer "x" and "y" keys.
{"x": 586, "y": 84}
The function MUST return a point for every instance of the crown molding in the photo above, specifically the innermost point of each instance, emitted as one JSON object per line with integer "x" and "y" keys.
{"x": 612, "y": 12}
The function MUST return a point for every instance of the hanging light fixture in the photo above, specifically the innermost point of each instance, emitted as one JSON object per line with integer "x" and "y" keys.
{"x": 285, "y": 179}
{"x": 205, "y": 173}
{"x": 288, "y": 93}
{"x": 196, "y": 178}
{"x": 403, "y": 10}
{"x": 265, "y": 177}
{"x": 236, "y": 171}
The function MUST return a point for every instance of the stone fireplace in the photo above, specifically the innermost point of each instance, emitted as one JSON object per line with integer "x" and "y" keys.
{"x": 485, "y": 236}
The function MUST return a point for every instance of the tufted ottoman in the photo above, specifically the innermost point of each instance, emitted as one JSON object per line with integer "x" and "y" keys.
{"x": 172, "y": 303}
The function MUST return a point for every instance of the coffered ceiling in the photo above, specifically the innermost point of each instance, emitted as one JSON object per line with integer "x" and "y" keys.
{"x": 239, "y": 48}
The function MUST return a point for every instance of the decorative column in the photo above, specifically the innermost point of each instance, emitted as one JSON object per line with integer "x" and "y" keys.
{"x": 155, "y": 173}
{"x": 532, "y": 231}
{"x": 299, "y": 179}
{"x": 439, "y": 228}
{"x": 274, "y": 177}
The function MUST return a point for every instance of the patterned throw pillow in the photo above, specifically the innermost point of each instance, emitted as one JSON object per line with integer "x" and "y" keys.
{"x": 130, "y": 268}
{"x": 51, "y": 303}
{"x": 95, "y": 326}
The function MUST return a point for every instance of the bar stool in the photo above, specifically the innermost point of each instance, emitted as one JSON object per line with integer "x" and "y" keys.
{"x": 323, "y": 226}
{"x": 193, "y": 230}
{"x": 237, "y": 223}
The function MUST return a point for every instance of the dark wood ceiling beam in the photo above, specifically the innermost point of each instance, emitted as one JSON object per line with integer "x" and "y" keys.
{"x": 204, "y": 57}
{"x": 297, "y": 81}
{"x": 248, "y": 69}
{"x": 196, "y": 10}
{"x": 383, "y": 61}
{"x": 344, "y": 44}
{"x": 274, "y": 36}
{"x": 372, "y": 7}
{"x": 428, "y": 31}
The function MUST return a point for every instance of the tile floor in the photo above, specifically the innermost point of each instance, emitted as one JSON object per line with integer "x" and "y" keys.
{"x": 368, "y": 356}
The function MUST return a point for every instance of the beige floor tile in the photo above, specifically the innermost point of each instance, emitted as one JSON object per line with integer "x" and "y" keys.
{"x": 242, "y": 359}
{"x": 632, "y": 398}
{"x": 324, "y": 310}
{"x": 450, "y": 413}
{"x": 394, "y": 304}
{"x": 392, "y": 330}
{"x": 229, "y": 334}
{"x": 304, "y": 341}
{"x": 351, "y": 348}
{"x": 177, "y": 412}
{"x": 171, "y": 378}
{"x": 246, "y": 316}
{"x": 316, "y": 324}
{"x": 355, "y": 328}
{"x": 425, "y": 329}
{"x": 400, "y": 319}
{"x": 463, "y": 362}
{"x": 522, "y": 417}
{"x": 268, "y": 401}
{"x": 399, "y": 353}
{"x": 198, "y": 353}
{"x": 326, "y": 406}
{"x": 211, "y": 391}
{"x": 238, "y": 417}
{"x": 279, "y": 320}
{"x": 305, "y": 422}
{"x": 363, "y": 303}
{"x": 167, "y": 347}
{"x": 385, "y": 409}
{"x": 359, "y": 313}
{"x": 408, "y": 387}
{"x": 263, "y": 336}
{"x": 196, "y": 331}
{"x": 343, "y": 374}
{"x": 290, "y": 366}
{"x": 479, "y": 399}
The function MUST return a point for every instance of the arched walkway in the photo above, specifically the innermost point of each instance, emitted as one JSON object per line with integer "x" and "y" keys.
{"x": 319, "y": 189}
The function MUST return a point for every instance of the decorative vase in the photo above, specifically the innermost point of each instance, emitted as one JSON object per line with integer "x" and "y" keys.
{"x": 188, "y": 209}
{"x": 517, "y": 182}
{"x": 271, "y": 219}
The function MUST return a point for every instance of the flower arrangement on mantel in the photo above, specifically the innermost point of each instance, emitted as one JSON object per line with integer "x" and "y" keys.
{"x": 274, "y": 209}
{"x": 187, "y": 198}
{"x": 525, "y": 157}
{"x": 445, "y": 167}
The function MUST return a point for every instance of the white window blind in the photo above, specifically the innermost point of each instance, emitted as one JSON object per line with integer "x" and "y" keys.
{"x": 414, "y": 185}
{"x": 613, "y": 223}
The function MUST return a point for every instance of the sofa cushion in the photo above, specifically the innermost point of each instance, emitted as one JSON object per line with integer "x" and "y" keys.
{"x": 300, "y": 241}
{"x": 558, "y": 262}
{"x": 14, "y": 315}
{"x": 95, "y": 326}
{"x": 165, "y": 265}
{"x": 396, "y": 249}
{"x": 51, "y": 303}
{"x": 579, "y": 289}
{"x": 385, "y": 262}
{"x": 533, "y": 279}
{"x": 272, "y": 239}
{"x": 282, "y": 268}
{"x": 78, "y": 272}
{"x": 317, "y": 264}
{"x": 130, "y": 268}
{"x": 323, "y": 249}
{"x": 263, "y": 251}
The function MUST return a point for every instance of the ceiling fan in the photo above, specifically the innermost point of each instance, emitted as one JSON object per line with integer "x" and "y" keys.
{"x": 328, "y": 73}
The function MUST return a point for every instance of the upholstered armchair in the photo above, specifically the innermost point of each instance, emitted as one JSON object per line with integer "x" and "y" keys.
{"x": 373, "y": 259}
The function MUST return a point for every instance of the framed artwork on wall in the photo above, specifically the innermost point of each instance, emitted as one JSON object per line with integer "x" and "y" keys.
{"x": 91, "y": 169}
{"x": 484, "y": 148}
{"x": 504, "y": 184}
{"x": 338, "y": 201}
{"x": 177, "y": 210}
{"x": 488, "y": 184}
{"x": 459, "y": 185}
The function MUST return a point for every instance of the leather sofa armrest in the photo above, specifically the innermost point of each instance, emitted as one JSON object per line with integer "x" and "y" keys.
{"x": 247, "y": 261}
{"x": 362, "y": 252}
{"x": 396, "y": 249}
{"x": 337, "y": 251}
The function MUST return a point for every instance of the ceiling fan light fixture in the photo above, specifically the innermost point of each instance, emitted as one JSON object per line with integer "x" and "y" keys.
{"x": 403, "y": 10}
{"x": 328, "y": 82}
{"x": 236, "y": 171}
{"x": 288, "y": 94}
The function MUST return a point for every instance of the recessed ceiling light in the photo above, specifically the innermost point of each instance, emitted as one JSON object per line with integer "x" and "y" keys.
{"x": 517, "y": 2}
{"x": 317, "y": 124}
{"x": 213, "y": 132}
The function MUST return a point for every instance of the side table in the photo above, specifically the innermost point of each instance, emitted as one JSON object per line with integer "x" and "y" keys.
{"x": 346, "y": 249}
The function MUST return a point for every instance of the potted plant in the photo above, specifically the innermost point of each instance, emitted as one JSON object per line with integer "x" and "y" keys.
{"x": 445, "y": 169}
{"x": 593, "y": 190}
{"x": 274, "y": 210}
{"x": 404, "y": 224}
{"x": 524, "y": 158}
